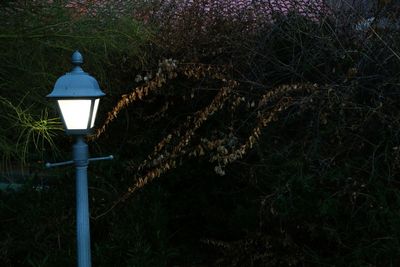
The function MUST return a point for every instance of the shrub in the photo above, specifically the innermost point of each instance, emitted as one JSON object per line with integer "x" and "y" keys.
{"x": 275, "y": 146}
{"x": 288, "y": 115}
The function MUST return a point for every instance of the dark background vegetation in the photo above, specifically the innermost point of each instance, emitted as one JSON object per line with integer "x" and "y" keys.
{"x": 318, "y": 185}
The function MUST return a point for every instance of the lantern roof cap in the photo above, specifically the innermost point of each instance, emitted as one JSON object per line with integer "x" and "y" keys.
{"x": 77, "y": 83}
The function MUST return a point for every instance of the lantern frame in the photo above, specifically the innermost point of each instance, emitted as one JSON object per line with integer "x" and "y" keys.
{"x": 89, "y": 118}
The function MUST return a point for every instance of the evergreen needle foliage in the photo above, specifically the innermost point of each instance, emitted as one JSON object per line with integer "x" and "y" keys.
{"x": 32, "y": 133}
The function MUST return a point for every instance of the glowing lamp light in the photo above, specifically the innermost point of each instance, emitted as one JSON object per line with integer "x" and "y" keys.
{"x": 78, "y": 96}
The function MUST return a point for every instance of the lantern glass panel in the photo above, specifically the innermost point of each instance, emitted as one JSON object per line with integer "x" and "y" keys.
{"x": 96, "y": 106}
{"x": 75, "y": 112}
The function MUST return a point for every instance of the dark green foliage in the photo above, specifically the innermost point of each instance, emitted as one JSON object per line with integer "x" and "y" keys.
{"x": 320, "y": 187}
{"x": 36, "y": 42}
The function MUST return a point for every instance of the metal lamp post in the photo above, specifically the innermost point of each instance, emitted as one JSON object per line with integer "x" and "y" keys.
{"x": 78, "y": 96}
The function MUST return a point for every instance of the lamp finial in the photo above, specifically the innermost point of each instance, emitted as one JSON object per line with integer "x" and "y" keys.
{"x": 77, "y": 58}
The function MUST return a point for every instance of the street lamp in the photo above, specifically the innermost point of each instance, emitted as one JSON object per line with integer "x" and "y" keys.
{"x": 78, "y": 96}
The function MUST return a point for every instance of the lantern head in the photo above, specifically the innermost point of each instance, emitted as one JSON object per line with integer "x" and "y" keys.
{"x": 78, "y": 95}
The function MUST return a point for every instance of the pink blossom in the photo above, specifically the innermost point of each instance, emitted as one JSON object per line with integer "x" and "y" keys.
{"x": 251, "y": 12}
{"x": 235, "y": 7}
{"x": 242, "y": 10}
{"x": 210, "y": 10}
